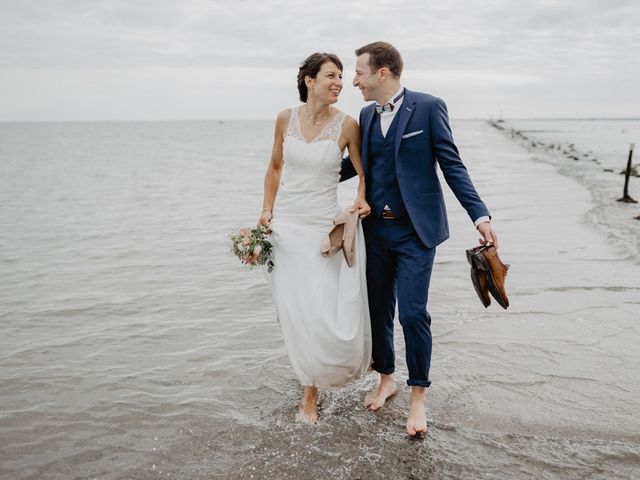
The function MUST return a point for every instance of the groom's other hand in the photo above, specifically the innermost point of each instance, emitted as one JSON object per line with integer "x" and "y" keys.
{"x": 362, "y": 206}
{"x": 488, "y": 235}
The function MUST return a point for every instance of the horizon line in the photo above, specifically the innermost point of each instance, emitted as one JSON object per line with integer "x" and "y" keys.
{"x": 222, "y": 120}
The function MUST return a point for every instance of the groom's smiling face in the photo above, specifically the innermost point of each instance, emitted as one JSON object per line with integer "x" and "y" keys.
{"x": 366, "y": 79}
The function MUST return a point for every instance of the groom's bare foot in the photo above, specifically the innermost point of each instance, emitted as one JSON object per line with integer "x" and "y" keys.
{"x": 417, "y": 420}
{"x": 308, "y": 412}
{"x": 386, "y": 388}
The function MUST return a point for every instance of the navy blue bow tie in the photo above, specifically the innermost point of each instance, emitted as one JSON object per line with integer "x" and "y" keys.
{"x": 388, "y": 107}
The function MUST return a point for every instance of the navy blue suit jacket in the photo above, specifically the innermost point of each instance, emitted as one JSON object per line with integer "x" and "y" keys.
{"x": 423, "y": 141}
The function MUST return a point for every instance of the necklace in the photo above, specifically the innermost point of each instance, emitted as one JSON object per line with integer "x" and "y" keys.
{"x": 317, "y": 123}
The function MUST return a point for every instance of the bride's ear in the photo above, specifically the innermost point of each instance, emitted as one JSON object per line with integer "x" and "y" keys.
{"x": 308, "y": 81}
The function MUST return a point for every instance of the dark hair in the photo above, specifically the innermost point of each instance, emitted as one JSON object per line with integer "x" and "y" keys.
{"x": 310, "y": 68}
{"x": 383, "y": 54}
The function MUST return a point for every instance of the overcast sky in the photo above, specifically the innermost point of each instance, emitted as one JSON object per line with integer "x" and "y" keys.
{"x": 199, "y": 59}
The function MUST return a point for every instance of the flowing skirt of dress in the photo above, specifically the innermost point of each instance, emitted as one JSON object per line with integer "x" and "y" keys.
{"x": 321, "y": 305}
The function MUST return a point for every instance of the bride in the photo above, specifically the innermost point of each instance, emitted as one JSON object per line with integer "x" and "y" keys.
{"x": 321, "y": 302}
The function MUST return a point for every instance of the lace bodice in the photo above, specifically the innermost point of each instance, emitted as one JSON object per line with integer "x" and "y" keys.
{"x": 331, "y": 131}
{"x": 309, "y": 182}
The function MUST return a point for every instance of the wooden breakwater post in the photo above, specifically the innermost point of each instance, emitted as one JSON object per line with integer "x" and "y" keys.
{"x": 626, "y": 198}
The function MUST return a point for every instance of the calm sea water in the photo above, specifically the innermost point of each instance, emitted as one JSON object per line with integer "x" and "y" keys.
{"x": 132, "y": 345}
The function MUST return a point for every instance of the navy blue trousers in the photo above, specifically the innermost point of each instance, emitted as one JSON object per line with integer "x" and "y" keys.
{"x": 399, "y": 267}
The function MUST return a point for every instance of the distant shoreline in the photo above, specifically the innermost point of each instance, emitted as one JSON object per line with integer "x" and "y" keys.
{"x": 217, "y": 120}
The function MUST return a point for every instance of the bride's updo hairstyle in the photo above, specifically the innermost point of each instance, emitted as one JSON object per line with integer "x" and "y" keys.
{"x": 310, "y": 68}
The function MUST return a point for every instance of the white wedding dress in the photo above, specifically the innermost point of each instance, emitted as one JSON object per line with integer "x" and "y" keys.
{"x": 321, "y": 303}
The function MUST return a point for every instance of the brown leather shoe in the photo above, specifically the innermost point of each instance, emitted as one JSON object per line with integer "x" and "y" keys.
{"x": 487, "y": 260}
{"x": 479, "y": 277}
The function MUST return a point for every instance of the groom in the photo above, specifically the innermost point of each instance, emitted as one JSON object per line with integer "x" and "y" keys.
{"x": 405, "y": 136}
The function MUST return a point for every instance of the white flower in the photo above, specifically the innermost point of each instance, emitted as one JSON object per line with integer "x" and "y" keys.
{"x": 257, "y": 249}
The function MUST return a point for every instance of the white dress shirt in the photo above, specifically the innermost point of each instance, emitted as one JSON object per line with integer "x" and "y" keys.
{"x": 385, "y": 122}
{"x": 387, "y": 117}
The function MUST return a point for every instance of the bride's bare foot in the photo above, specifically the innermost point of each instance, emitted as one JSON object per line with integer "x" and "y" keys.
{"x": 417, "y": 420}
{"x": 386, "y": 388}
{"x": 308, "y": 412}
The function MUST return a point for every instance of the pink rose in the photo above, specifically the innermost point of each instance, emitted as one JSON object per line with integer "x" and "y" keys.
{"x": 244, "y": 232}
{"x": 246, "y": 241}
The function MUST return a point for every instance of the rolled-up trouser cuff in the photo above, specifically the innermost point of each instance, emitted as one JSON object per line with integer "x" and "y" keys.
{"x": 384, "y": 371}
{"x": 418, "y": 383}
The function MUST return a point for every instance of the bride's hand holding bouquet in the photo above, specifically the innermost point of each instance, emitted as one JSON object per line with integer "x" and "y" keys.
{"x": 265, "y": 219}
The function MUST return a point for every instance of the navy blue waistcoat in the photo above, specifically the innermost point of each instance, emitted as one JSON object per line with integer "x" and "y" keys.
{"x": 382, "y": 182}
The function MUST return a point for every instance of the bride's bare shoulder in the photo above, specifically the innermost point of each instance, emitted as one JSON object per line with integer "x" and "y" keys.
{"x": 350, "y": 124}
{"x": 284, "y": 115}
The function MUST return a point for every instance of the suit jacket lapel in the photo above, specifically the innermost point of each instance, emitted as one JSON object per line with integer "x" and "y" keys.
{"x": 406, "y": 110}
{"x": 368, "y": 114}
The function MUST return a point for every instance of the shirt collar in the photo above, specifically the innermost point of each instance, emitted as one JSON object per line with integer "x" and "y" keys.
{"x": 394, "y": 96}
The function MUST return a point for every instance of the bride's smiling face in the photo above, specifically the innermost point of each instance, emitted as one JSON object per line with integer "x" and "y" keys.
{"x": 327, "y": 85}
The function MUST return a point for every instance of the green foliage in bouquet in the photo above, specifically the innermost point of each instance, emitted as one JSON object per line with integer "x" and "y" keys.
{"x": 253, "y": 247}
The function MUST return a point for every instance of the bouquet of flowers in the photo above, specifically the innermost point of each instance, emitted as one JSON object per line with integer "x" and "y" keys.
{"x": 252, "y": 247}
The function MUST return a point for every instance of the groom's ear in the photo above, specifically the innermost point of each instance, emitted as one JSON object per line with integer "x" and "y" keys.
{"x": 383, "y": 73}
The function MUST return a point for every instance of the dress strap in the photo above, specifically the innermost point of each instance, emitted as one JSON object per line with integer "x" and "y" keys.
{"x": 293, "y": 129}
{"x": 342, "y": 117}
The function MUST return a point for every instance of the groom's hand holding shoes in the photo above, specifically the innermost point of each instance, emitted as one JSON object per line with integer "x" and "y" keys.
{"x": 488, "y": 235}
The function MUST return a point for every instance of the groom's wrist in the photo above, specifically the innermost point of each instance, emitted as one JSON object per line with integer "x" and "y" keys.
{"x": 482, "y": 219}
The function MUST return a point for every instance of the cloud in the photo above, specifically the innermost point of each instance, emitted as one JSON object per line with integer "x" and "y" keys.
{"x": 490, "y": 47}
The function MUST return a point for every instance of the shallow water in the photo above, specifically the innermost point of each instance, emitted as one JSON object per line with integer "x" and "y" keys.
{"x": 134, "y": 346}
